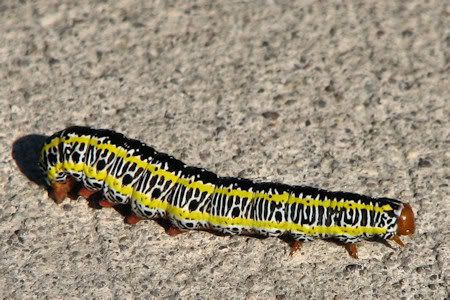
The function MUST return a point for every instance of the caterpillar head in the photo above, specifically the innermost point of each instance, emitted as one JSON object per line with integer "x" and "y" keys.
{"x": 405, "y": 222}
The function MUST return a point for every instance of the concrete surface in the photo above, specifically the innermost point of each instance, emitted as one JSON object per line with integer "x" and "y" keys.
{"x": 348, "y": 97}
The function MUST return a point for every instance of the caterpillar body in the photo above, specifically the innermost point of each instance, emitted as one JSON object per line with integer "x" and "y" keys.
{"x": 156, "y": 185}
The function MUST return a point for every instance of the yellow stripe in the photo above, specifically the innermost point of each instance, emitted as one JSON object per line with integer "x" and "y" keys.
{"x": 273, "y": 197}
{"x": 232, "y": 193}
{"x": 203, "y": 187}
{"x": 336, "y": 204}
{"x": 184, "y": 214}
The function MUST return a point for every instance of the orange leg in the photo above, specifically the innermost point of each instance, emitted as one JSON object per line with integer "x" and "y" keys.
{"x": 352, "y": 249}
{"x": 173, "y": 231}
{"x": 397, "y": 239}
{"x": 132, "y": 219}
{"x": 105, "y": 203}
{"x": 59, "y": 190}
{"x": 295, "y": 246}
{"x": 85, "y": 193}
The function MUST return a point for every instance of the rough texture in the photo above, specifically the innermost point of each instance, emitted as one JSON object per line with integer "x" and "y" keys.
{"x": 348, "y": 97}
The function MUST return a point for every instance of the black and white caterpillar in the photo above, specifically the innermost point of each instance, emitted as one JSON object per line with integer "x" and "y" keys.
{"x": 156, "y": 185}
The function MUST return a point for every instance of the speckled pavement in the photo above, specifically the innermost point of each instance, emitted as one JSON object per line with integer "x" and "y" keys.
{"x": 351, "y": 97}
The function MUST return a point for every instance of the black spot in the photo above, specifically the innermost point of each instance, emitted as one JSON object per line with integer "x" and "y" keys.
{"x": 188, "y": 194}
{"x": 127, "y": 179}
{"x": 97, "y": 185}
{"x": 193, "y": 205}
{"x": 278, "y": 216}
{"x": 52, "y": 158}
{"x": 236, "y": 212}
{"x": 101, "y": 165}
{"x": 148, "y": 213}
{"x": 82, "y": 146}
{"x": 156, "y": 193}
{"x": 76, "y": 156}
{"x": 189, "y": 225}
{"x": 110, "y": 158}
{"x": 153, "y": 180}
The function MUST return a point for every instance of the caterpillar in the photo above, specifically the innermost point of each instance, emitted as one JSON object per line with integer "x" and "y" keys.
{"x": 119, "y": 170}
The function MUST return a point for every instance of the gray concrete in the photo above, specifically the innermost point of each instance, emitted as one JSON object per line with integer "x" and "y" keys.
{"x": 350, "y": 97}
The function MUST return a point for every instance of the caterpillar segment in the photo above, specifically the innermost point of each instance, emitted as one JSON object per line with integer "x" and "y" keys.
{"x": 158, "y": 186}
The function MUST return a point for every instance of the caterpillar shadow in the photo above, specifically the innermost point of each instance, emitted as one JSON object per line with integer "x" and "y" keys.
{"x": 25, "y": 152}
